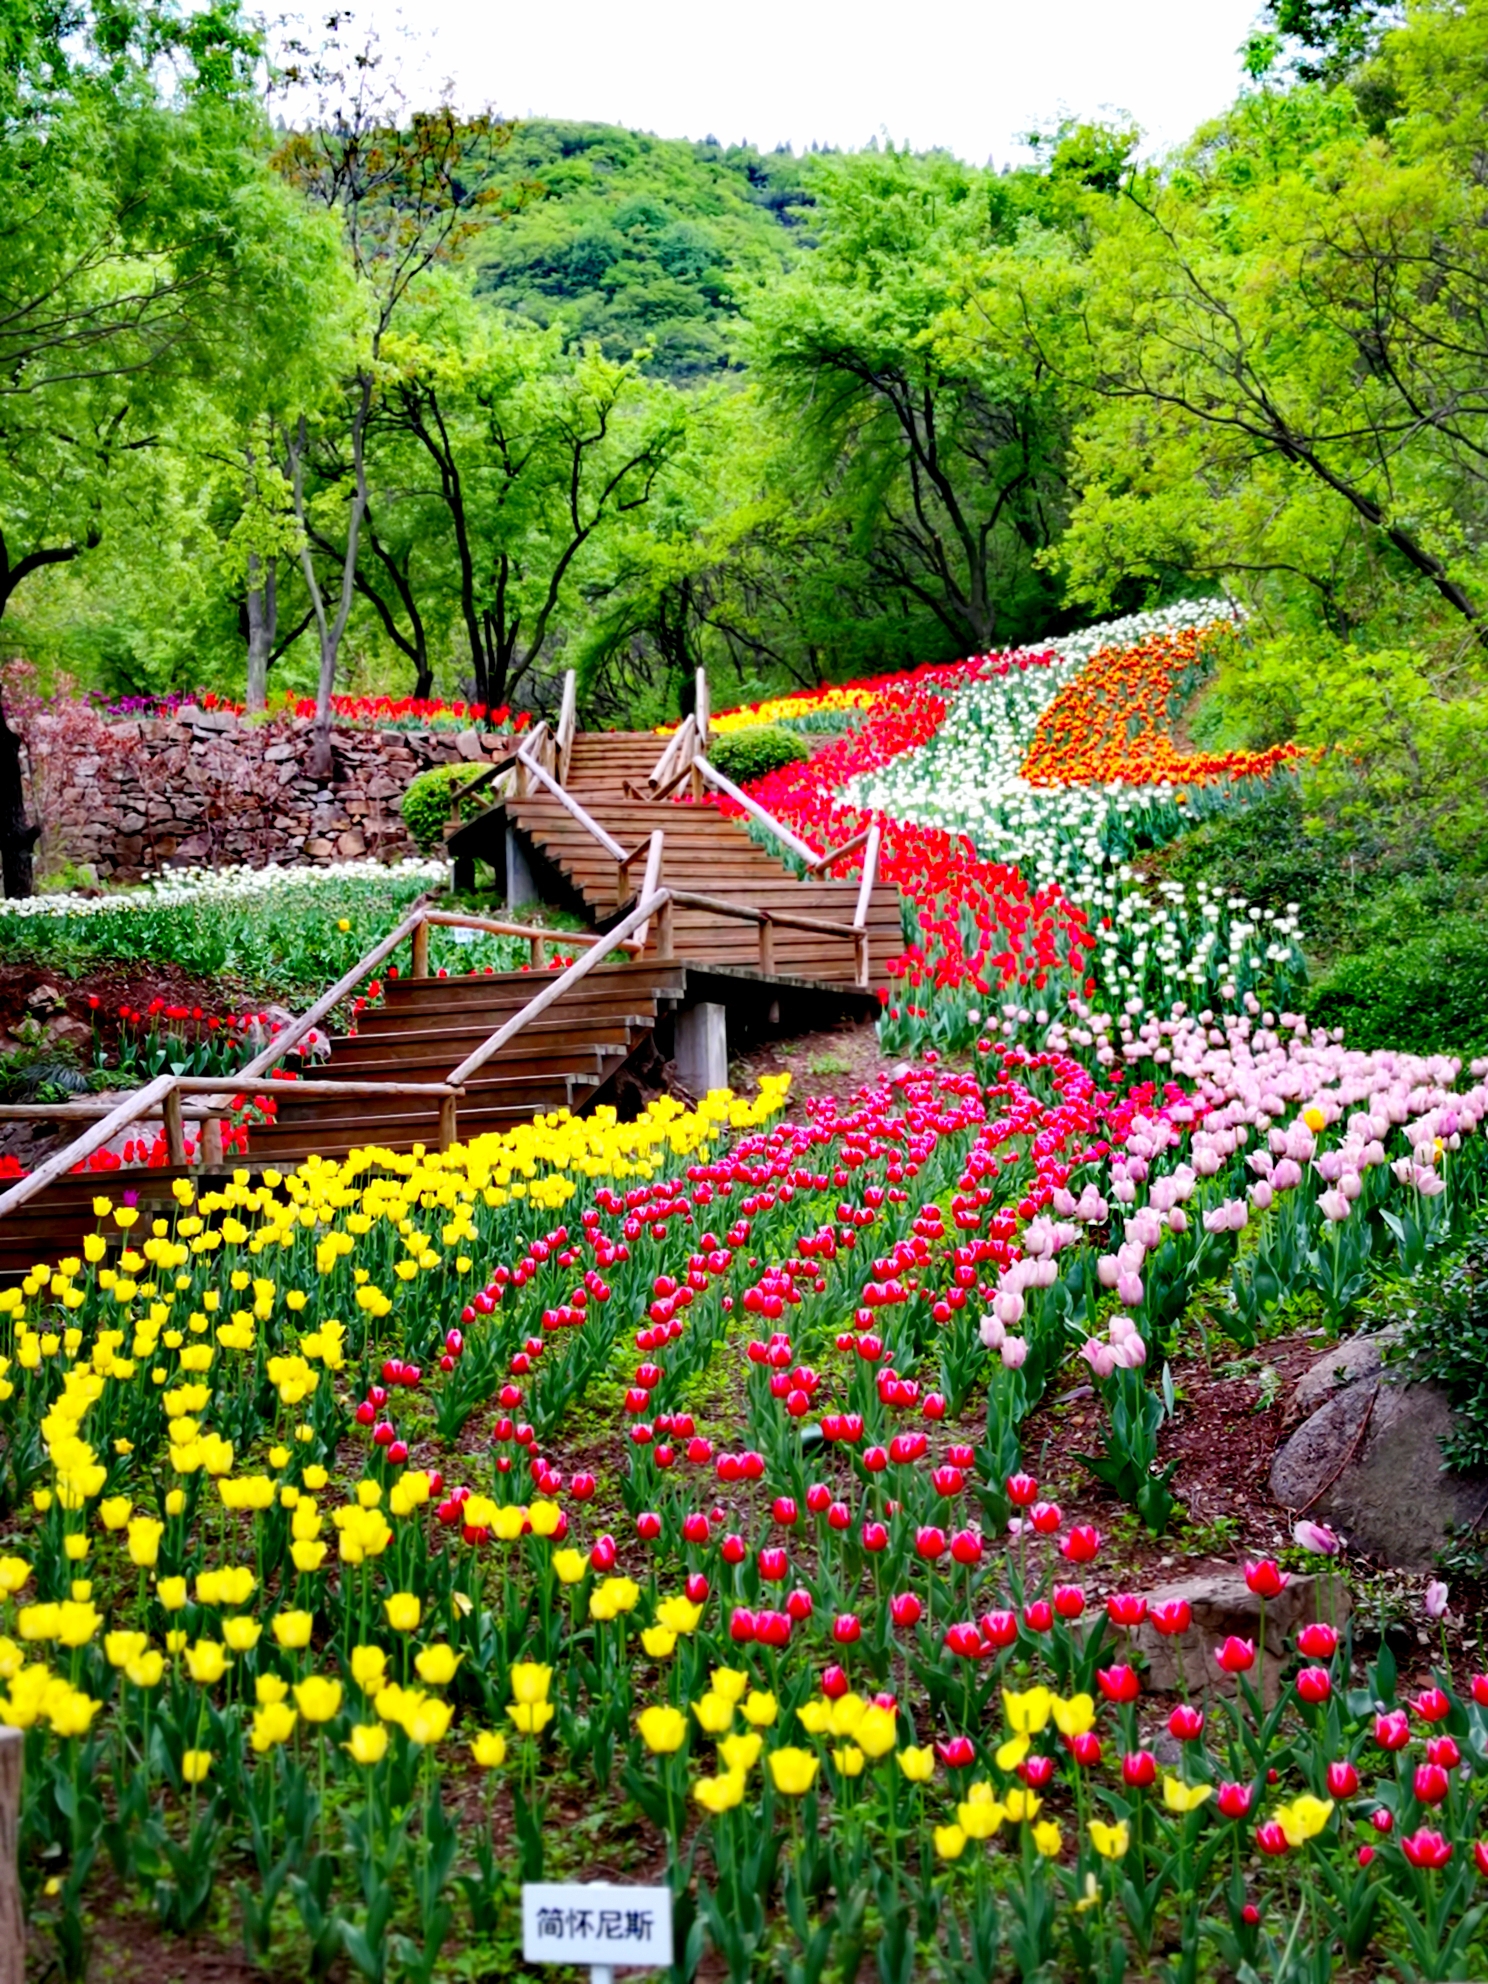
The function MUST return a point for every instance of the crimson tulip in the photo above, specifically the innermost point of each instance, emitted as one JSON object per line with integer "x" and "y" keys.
{"x": 1430, "y": 1784}
{"x": 930, "y": 1543}
{"x": 648, "y": 1526}
{"x": 956, "y": 1752}
{"x": 835, "y": 1682}
{"x": 1138, "y": 1769}
{"x": 847, "y": 1629}
{"x": 966, "y": 1640}
{"x": 1186, "y": 1723}
{"x": 905, "y": 1609}
{"x": 1266, "y": 1579}
{"x": 1119, "y": 1683}
{"x": 1124, "y": 1608}
{"x": 1392, "y": 1731}
{"x": 1022, "y": 1490}
{"x": 1069, "y": 1600}
{"x": 1432, "y": 1704}
{"x": 1443, "y": 1750}
{"x": 1234, "y": 1800}
{"x": 1038, "y": 1617}
{"x": 1425, "y": 1848}
{"x": 1081, "y": 1545}
{"x": 999, "y": 1629}
{"x": 1318, "y": 1641}
{"x": 1171, "y": 1616}
{"x": 1085, "y": 1749}
{"x": 1314, "y": 1684}
{"x": 1343, "y": 1779}
{"x": 1236, "y": 1656}
{"x": 1382, "y": 1819}
{"x": 1270, "y": 1838}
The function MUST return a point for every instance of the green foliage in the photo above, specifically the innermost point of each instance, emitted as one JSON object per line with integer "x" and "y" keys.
{"x": 641, "y": 243}
{"x": 429, "y": 801}
{"x": 743, "y": 755}
{"x": 1427, "y": 995}
{"x": 1444, "y": 1336}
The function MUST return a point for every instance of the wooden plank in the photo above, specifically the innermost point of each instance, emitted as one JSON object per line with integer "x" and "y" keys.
{"x": 141, "y": 1103}
{"x": 571, "y": 805}
{"x": 12, "y": 1914}
{"x": 552, "y": 993}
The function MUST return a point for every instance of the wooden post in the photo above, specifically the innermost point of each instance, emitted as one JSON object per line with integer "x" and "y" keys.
{"x": 421, "y": 951}
{"x": 209, "y": 1152}
{"x": 701, "y": 711}
{"x": 449, "y": 1122}
{"x": 12, "y": 1916}
{"x": 539, "y": 952}
{"x": 175, "y": 1132}
{"x": 666, "y": 942}
{"x": 767, "y": 946}
{"x": 860, "y": 956}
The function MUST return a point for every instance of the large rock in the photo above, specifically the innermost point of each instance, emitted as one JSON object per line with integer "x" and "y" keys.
{"x": 1355, "y": 1358}
{"x": 1223, "y": 1604}
{"x": 1368, "y": 1461}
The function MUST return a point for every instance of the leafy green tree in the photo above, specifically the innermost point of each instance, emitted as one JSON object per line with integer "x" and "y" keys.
{"x": 943, "y": 452}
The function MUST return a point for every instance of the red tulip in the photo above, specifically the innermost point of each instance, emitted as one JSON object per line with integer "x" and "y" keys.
{"x": 783, "y": 1509}
{"x": 774, "y": 1565}
{"x": 930, "y": 1543}
{"x": 1365, "y": 1856}
{"x": 1480, "y": 1855}
{"x": 1270, "y": 1838}
{"x": 1118, "y": 1683}
{"x": 800, "y": 1605}
{"x": 1046, "y": 1518}
{"x": 875, "y": 1459}
{"x": 1343, "y": 1779}
{"x": 1022, "y": 1490}
{"x": 966, "y": 1547}
{"x": 905, "y": 1609}
{"x": 875, "y": 1536}
{"x": 1443, "y": 1750}
{"x": 1036, "y": 1771}
{"x": 1392, "y": 1731}
{"x": 772, "y": 1628}
{"x": 1314, "y": 1684}
{"x": 1266, "y": 1579}
{"x": 1318, "y": 1641}
{"x": 1382, "y": 1819}
{"x": 847, "y": 1629}
{"x": 947, "y": 1481}
{"x": 603, "y": 1555}
{"x": 999, "y": 1629}
{"x": 1171, "y": 1615}
{"x": 834, "y": 1683}
{"x": 1431, "y": 1784}
{"x": 957, "y": 1752}
{"x": 695, "y": 1528}
{"x": 1138, "y": 1769}
{"x": 1236, "y": 1656}
{"x": 697, "y": 1587}
{"x": 1069, "y": 1600}
{"x": 1426, "y": 1848}
{"x": 648, "y": 1526}
{"x": 1039, "y": 1616}
{"x": 1186, "y": 1723}
{"x": 1124, "y": 1608}
{"x": 965, "y": 1640}
{"x": 1234, "y": 1800}
{"x": 1432, "y": 1704}
{"x": 582, "y": 1487}
{"x": 1085, "y": 1749}
{"x": 1480, "y": 1690}
{"x": 818, "y": 1498}
{"x": 1081, "y": 1545}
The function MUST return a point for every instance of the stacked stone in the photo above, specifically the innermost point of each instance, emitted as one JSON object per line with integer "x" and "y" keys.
{"x": 207, "y": 788}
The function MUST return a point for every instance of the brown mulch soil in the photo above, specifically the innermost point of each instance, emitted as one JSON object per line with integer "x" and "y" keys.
{"x": 834, "y": 1061}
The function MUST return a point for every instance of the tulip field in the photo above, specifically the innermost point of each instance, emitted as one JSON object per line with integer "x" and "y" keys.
{"x": 657, "y": 1501}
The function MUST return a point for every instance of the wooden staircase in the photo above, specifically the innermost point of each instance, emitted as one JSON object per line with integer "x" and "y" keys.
{"x": 706, "y": 853}
{"x": 689, "y": 912}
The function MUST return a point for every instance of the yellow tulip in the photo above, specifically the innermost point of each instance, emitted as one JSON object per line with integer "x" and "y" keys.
{"x": 146, "y": 1671}
{"x": 720, "y": 1794}
{"x": 489, "y": 1749}
{"x": 980, "y": 1814}
{"x": 742, "y": 1752}
{"x": 368, "y": 1742}
{"x": 368, "y": 1668}
{"x": 714, "y": 1714}
{"x": 318, "y": 1697}
{"x": 269, "y": 1688}
{"x": 121, "y": 1647}
{"x": 849, "y": 1760}
{"x": 950, "y": 1842}
{"x": 877, "y": 1731}
{"x": 437, "y": 1665}
{"x": 293, "y": 1629}
{"x": 679, "y": 1615}
{"x": 1110, "y": 1842}
{"x": 14, "y": 1572}
{"x": 195, "y": 1764}
{"x": 730, "y": 1682}
{"x": 1304, "y": 1818}
{"x": 273, "y": 1724}
{"x": 847, "y": 1712}
{"x": 570, "y": 1565}
{"x": 206, "y": 1662}
{"x": 815, "y": 1717}
{"x": 71, "y": 1713}
{"x": 1073, "y": 1717}
{"x": 793, "y": 1771}
{"x": 918, "y": 1765}
{"x": 530, "y": 1681}
{"x": 428, "y": 1721}
{"x": 662, "y": 1729}
{"x": 1181, "y": 1797}
{"x": 660, "y": 1642}
{"x": 759, "y": 1709}
{"x": 531, "y": 1718}
{"x": 403, "y": 1611}
{"x": 241, "y": 1634}
{"x": 1022, "y": 1804}
{"x": 172, "y": 1593}
{"x": 1046, "y": 1838}
{"x": 1010, "y": 1754}
{"x": 1027, "y": 1713}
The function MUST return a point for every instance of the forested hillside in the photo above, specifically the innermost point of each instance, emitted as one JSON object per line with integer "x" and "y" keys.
{"x": 640, "y": 242}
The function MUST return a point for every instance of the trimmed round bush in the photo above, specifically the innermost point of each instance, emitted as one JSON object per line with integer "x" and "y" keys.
{"x": 426, "y": 803}
{"x": 743, "y": 755}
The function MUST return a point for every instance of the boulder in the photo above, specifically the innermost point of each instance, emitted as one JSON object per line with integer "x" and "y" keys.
{"x": 1223, "y": 1604}
{"x": 1369, "y": 1463}
{"x": 1358, "y": 1357}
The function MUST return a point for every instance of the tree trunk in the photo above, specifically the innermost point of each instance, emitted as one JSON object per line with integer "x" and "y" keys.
{"x": 263, "y": 617}
{"x": 18, "y": 837}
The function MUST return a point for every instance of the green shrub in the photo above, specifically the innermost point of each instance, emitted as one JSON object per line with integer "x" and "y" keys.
{"x": 743, "y": 755}
{"x": 1444, "y": 1335}
{"x": 426, "y": 803}
{"x": 1427, "y": 994}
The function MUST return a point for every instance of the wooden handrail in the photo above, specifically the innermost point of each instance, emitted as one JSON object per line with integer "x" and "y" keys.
{"x": 675, "y": 743}
{"x": 701, "y": 708}
{"x": 567, "y": 723}
{"x": 554, "y": 990}
{"x": 590, "y": 825}
{"x": 536, "y": 933}
{"x": 141, "y": 1103}
{"x": 295, "y": 1032}
{"x": 755, "y": 811}
{"x": 870, "y": 876}
{"x": 823, "y": 862}
{"x": 290, "y": 1088}
{"x": 742, "y": 912}
{"x": 652, "y": 882}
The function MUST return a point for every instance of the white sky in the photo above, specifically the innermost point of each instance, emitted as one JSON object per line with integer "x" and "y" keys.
{"x": 970, "y": 75}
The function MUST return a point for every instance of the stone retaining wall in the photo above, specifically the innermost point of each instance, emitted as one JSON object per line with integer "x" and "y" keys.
{"x": 131, "y": 798}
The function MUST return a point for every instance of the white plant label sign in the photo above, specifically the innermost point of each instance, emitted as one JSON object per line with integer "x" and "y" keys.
{"x": 596, "y": 1923}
